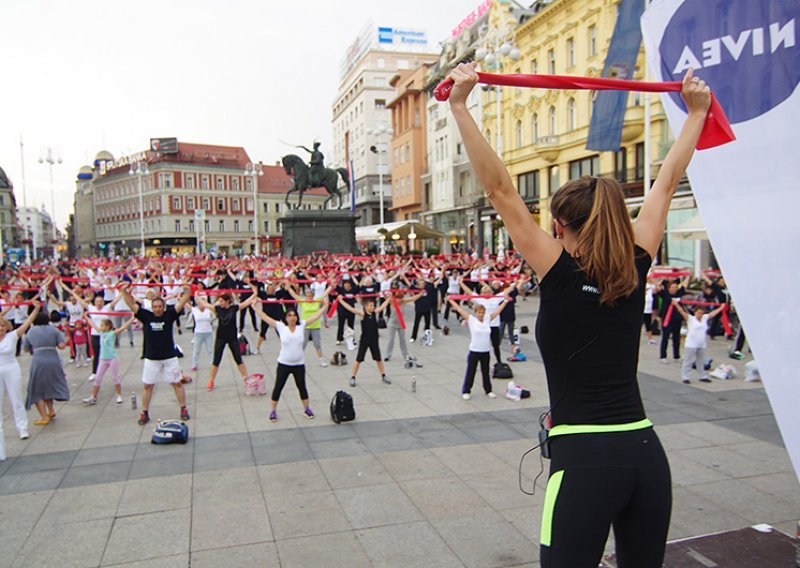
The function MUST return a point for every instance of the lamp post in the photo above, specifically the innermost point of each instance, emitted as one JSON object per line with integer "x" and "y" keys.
{"x": 380, "y": 149}
{"x": 52, "y": 156}
{"x": 140, "y": 169}
{"x": 254, "y": 170}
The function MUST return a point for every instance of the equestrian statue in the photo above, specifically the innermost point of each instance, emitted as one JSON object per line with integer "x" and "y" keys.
{"x": 314, "y": 174}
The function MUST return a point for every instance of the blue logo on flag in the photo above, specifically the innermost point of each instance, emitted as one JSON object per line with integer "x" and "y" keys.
{"x": 746, "y": 51}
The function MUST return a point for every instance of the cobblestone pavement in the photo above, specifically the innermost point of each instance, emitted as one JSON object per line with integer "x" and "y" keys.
{"x": 418, "y": 479}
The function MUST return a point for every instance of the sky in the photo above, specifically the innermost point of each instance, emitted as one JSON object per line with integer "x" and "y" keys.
{"x": 87, "y": 75}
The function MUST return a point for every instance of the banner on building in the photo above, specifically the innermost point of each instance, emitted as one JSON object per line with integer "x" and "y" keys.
{"x": 608, "y": 111}
{"x": 164, "y": 145}
{"x": 748, "y": 191}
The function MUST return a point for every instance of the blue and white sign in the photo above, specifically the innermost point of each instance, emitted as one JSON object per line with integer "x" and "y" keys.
{"x": 401, "y": 37}
{"x": 747, "y": 191}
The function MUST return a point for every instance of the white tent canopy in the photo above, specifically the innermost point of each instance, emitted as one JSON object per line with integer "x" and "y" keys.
{"x": 401, "y": 228}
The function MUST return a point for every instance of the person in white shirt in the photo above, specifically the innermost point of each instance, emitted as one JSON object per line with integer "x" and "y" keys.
{"x": 480, "y": 345}
{"x": 648, "y": 311}
{"x": 291, "y": 358}
{"x": 203, "y": 332}
{"x": 696, "y": 340}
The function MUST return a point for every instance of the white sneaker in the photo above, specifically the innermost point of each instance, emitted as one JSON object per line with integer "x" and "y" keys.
{"x": 664, "y": 361}
{"x": 91, "y": 378}
{"x": 257, "y": 352}
{"x": 23, "y": 435}
{"x": 466, "y": 396}
{"x": 119, "y": 399}
{"x": 90, "y": 401}
{"x": 71, "y": 360}
{"x": 491, "y": 395}
{"x": 322, "y": 362}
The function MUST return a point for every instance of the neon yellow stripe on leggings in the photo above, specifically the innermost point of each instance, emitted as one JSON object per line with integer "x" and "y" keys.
{"x": 550, "y": 496}
{"x": 563, "y": 429}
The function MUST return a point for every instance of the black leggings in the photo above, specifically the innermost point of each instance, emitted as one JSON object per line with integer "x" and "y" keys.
{"x": 494, "y": 335}
{"x": 219, "y": 347}
{"x": 597, "y": 481}
{"x": 473, "y": 358}
{"x": 417, "y": 318}
{"x": 674, "y": 331}
{"x": 344, "y": 317}
{"x": 95, "y": 352}
{"x": 282, "y": 375}
{"x": 243, "y": 316}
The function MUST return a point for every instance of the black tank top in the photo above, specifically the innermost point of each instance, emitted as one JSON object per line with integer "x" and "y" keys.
{"x": 590, "y": 352}
{"x": 369, "y": 327}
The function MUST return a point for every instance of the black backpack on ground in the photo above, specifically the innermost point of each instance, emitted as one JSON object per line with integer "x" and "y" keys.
{"x": 502, "y": 371}
{"x": 342, "y": 409}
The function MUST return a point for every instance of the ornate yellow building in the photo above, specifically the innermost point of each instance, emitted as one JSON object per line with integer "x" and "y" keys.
{"x": 544, "y": 132}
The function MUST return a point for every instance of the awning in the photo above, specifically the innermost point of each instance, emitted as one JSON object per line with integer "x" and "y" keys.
{"x": 401, "y": 228}
{"x": 693, "y": 229}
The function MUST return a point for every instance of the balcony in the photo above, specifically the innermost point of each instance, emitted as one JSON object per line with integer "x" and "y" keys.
{"x": 548, "y": 147}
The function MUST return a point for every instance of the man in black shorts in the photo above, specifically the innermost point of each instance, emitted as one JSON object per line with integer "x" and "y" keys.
{"x": 226, "y": 312}
{"x": 369, "y": 336}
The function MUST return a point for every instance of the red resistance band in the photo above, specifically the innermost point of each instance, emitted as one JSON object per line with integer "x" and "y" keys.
{"x": 716, "y": 130}
{"x": 474, "y": 296}
{"x": 726, "y": 322}
{"x": 109, "y": 313}
{"x": 668, "y": 274}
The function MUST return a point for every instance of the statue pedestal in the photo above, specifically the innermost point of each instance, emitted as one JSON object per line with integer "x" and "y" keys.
{"x": 305, "y": 232}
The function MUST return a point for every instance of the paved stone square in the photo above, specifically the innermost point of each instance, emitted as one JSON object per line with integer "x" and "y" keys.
{"x": 418, "y": 479}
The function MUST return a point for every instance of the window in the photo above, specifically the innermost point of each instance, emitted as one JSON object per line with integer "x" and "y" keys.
{"x": 250, "y": 225}
{"x": 489, "y": 136}
{"x": 381, "y": 63}
{"x": 165, "y": 180}
{"x": 206, "y": 226}
{"x": 249, "y": 203}
{"x": 519, "y": 134}
{"x": 640, "y": 157}
{"x": 380, "y": 104}
{"x": 177, "y": 225}
{"x": 204, "y": 182}
{"x": 206, "y": 203}
{"x": 176, "y": 203}
{"x": 235, "y": 184}
{"x": 534, "y": 66}
{"x": 408, "y": 152}
{"x": 277, "y": 208}
{"x": 236, "y": 225}
{"x": 551, "y": 61}
{"x": 266, "y": 226}
{"x": 235, "y": 205}
{"x": 380, "y": 81}
{"x": 570, "y": 53}
{"x": 189, "y": 181}
{"x": 535, "y": 128}
{"x": 191, "y": 225}
{"x": 571, "y": 114}
{"x": 637, "y": 98}
{"x": 220, "y": 204}
{"x": 589, "y": 166}
{"x": 621, "y": 165}
{"x": 552, "y": 175}
{"x": 266, "y": 207}
{"x": 592, "y": 40}
{"x": 222, "y": 225}
{"x": 249, "y": 184}
{"x": 529, "y": 185}
{"x": 220, "y": 182}
{"x": 552, "y": 121}
{"x": 190, "y": 203}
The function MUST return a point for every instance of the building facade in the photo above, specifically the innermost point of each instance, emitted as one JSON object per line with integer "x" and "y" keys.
{"x": 198, "y": 194}
{"x": 360, "y": 108}
{"x": 409, "y": 151}
{"x": 37, "y": 224}
{"x": 8, "y": 214}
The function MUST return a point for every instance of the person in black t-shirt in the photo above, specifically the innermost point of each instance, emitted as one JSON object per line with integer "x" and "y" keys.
{"x": 271, "y": 298}
{"x": 670, "y": 329}
{"x": 226, "y": 312}
{"x": 244, "y": 286}
{"x": 606, "y": 457}
{"x": 369, "y": 336}
{"x": 347, "y": 295}
{"x": 160, "y": 361}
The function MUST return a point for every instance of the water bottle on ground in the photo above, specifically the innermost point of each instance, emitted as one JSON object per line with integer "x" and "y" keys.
{"x": 133, "y": 400}
{"x": 414, "y": 384}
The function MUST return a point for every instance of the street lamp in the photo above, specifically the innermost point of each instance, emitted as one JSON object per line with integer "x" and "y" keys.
{"x": 52, "y": 156}
{"x": 254, "y": 170}
{"x": 140, "y": 169}
{"x": 380, "y": 150}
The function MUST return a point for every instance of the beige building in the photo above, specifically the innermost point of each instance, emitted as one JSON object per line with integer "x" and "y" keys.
{"x": 37, "y": 224}
{"x": 360, "y": 107}
{"x": 8, "y": 213}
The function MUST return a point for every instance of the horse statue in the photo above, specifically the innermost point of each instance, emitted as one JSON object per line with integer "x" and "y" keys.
{"x": 299, "y": 170}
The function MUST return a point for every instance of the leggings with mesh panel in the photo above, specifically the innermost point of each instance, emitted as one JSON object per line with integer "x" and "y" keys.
{"x": 603, "y": 480}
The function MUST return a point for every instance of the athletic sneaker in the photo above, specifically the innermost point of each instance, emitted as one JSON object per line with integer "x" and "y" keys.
{"x": 705, "y": 380}
{"x": 185, "y": 413}
{"x": 91, "y": 378}
{"x": 23, "y": 435}
{"x": 210, "y": 386}
{"x": 71, "y": 360}
{"x": 491, "y": 395}
{"x": 686, "y": 381}
{"x": 412, "y": 340}
{"x": 273, "y": 416}
{"x": 144, "y": 418}
{"x": 651, "y": 341}
{"x": 91, "y": 400}
{"x": 352, "y": 381}
{"x": 194, "y": 368}
{"x": 322, "y": 362}
{"x": 386, "y": 359}
{"x": 119, "y": 399}
{"x": 386, "y": 380}
{"x": 466, "y": 396}
{"x": 257, "y": 352}
{"x": 308, "y": 413}
{"x": 664, "y": 361}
